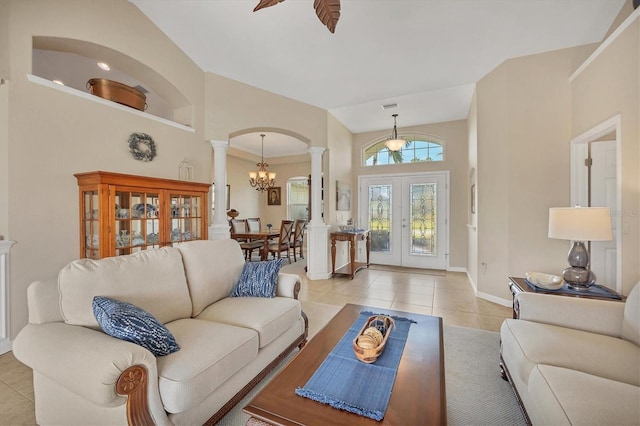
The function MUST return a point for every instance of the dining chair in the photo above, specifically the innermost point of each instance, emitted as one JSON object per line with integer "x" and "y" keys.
{"x": 239, "y": 226}
{"x": 282, "y": 244}
{"x": 297, "y": 237}
{"x": 254, "y": 224}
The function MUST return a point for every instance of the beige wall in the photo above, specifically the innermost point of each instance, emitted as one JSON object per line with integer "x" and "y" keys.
{"x": 607, "y": 87}
{"x": 454, "y": 134}
{"x": 338, "y": 168}
{"x": 52, "y": 135}
{"x": 523, "y": 140}
{"x": 472, "y": 222}
{"x": 233, "y": 106}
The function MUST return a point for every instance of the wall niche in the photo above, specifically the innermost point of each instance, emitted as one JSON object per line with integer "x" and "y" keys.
{"x": 73, "y": 63}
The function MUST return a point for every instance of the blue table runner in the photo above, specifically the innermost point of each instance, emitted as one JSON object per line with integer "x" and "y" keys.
{"x": 346, "y": 383}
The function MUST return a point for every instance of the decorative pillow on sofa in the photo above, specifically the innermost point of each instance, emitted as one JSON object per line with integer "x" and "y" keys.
{"x": 258, "y": 279}
{"x": 133, "y": 324}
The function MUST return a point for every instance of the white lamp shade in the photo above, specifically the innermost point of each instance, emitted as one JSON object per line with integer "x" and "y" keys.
{"x": 272, "y": 176}
{"x": 253, "y": 175}
{"x": 394, "y": 144}
{"x": 580, "y": 223}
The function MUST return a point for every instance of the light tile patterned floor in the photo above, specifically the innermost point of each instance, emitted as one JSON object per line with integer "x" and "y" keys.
{"x": 449, "y": 296}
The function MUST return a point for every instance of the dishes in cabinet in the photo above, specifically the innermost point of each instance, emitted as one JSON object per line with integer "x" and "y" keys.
{"x": 138, "y": 210}
{"x": 138, "y": 239}
{"x": 93, "y": 242}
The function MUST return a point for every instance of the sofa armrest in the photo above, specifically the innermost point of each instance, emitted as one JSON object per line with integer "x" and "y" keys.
{"x": 87, "y": 362}
{"x": 288, "y": 285}
{"x": 593, "y": 315}
{"x": 43, "y": 300}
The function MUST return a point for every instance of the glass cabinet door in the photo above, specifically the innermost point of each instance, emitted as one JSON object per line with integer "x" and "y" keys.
{"x": 186, "y": 217}
{"x": 137, "y": 221}
{"x": 91, "y": 224}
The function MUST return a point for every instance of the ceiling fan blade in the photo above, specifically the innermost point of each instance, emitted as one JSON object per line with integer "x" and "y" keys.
{"x": 266, "y": 3}
{"x": 328, "y": 12}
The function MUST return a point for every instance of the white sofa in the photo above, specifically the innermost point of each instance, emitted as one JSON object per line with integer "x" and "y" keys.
{"x": 574, "y": 360}
{"x": 83, "y": 376}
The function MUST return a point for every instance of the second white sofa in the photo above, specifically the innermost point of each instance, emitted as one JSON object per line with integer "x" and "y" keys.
{"x": 575, "y": 361}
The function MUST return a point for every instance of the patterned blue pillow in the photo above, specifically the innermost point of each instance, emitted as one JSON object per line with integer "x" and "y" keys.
{"x": 258, "y": 279}
{"x": 128, "y": 322}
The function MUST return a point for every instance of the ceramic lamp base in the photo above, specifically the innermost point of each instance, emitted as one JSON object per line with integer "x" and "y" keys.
{"x": 579, "y": 278}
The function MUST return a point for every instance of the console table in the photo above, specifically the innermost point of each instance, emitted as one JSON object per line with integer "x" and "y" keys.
{"x": 352, "y": 237}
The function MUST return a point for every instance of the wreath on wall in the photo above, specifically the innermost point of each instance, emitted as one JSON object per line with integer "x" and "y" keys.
{"x": 142, "y": 146}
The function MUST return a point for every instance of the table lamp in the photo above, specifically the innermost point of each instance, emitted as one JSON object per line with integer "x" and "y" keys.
{"x": 580, "y": 224}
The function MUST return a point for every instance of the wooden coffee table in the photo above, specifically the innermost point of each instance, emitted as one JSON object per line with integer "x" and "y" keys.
{"x": 418, "y": 395}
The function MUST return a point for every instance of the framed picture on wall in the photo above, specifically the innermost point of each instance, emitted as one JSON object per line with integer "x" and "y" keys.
{"x": 273, "y": 196}
{"x": 343, "y": 196}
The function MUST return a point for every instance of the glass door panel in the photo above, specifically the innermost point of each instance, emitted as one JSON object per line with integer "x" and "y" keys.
{"x": 137, "y": 221}
{"x": 422, "y": 218}
{"x": 424, "y": 227}
{"x": 186, "y": 217}
{"x": 379, "y": 220}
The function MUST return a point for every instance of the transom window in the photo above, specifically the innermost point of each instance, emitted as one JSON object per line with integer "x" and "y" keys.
{"x": 417, "y": 149}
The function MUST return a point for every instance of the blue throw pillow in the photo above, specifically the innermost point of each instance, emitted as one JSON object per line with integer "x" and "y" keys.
{"x": 258, "y": 279}
{"x": 128, "y": 322}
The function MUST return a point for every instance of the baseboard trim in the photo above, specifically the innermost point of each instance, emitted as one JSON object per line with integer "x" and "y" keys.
{"x": 494, "y": 299}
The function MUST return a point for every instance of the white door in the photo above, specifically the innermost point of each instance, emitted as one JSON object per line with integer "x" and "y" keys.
{"x": 603, "y": 194}
{"x": 407, "y": 216}
{"x": 596, "y": 186}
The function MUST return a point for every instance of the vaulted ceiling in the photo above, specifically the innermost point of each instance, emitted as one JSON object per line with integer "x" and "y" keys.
{"x": 424, "y": 55}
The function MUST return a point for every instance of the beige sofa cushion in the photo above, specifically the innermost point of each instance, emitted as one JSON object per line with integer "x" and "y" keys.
{"x": 565, "y": 396}
{"x": 153, "y": 280}
{"x": 269, "y": 317}
{"x": 212, "y": 267}
{"x": 210, "y": 353}
{"x": 526, "y": 343}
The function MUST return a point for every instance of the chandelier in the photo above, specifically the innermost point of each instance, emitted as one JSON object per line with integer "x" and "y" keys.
{"x": 261, "y": 180}
{"x": 394, "y": 143}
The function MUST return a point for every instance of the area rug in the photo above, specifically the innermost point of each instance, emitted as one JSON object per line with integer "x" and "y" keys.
{"x": 420, "y": 271}
{"x": 476, "y": 394}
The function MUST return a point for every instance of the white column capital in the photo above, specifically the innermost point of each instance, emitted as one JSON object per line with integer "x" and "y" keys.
{"x": 317, "y": 150}
{"x": 5, "y": 246}
{"x": 219, "y": 144}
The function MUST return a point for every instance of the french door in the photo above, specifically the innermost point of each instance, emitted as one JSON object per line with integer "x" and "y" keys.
{"x": 407, "y": 216}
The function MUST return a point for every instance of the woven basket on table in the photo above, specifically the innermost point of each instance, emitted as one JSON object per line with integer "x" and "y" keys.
{"x": 366, "y": 344}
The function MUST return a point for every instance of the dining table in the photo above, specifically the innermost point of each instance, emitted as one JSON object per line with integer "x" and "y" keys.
{"x": 263, "y": 235}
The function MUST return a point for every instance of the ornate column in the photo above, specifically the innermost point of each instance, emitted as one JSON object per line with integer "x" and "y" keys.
{"x": 5, "y": 299}
{"x": 219, "y": 228}
{"x": 317, "y": 230}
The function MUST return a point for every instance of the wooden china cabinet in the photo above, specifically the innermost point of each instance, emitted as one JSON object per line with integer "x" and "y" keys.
{"x": 123, "y": 214}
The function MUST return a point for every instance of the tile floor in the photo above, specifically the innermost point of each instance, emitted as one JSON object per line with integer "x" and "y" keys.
{"x": 449, "y": 296}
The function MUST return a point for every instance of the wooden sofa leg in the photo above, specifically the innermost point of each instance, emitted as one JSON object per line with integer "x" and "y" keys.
{"x": 133, "y": 383}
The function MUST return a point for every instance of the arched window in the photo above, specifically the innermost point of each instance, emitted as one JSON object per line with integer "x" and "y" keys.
{"x": 417, "y": 149}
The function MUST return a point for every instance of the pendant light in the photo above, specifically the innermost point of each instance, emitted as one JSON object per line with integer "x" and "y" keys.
{"x": 394, "y": 143}
{"x": 261, "y": 180}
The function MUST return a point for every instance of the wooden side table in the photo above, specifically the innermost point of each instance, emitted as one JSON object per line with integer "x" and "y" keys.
{"x": 518, "y": 285}
{"x": 352, "y": 267}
